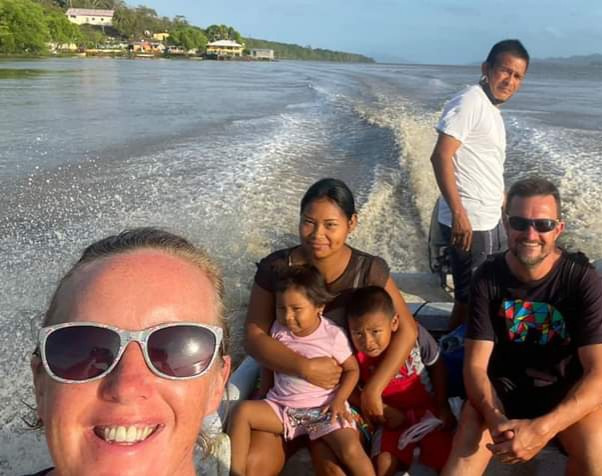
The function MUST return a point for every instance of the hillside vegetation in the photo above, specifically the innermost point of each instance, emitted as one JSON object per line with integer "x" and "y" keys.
{"x": 291, "y": 51}
{"x": 30, "y": 26}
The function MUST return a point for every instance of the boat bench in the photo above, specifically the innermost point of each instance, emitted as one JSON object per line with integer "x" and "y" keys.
{"x": 433, "y": 316}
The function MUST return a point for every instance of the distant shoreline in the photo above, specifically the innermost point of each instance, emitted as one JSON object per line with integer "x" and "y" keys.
{"x": 25, "y": 56}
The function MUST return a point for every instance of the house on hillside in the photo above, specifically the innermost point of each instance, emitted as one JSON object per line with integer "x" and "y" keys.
{"x": 162, "y": 36}
{"x": 224, "y": 49}
{"x": 262, "y": 54}
{"x": 147, "y": 47}
{"x": 90, "y": 16}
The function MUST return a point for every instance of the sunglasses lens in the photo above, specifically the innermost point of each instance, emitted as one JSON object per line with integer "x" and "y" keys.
{"x": 181, "y": 351}
{"x": 518, "y": 223}
{"x": 81, "y": 352}
{"x": 544, "y": 225}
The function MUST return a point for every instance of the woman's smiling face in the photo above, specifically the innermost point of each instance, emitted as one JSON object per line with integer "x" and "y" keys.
{"x": 130, "y": 422}
{"x": 324, "y": 228}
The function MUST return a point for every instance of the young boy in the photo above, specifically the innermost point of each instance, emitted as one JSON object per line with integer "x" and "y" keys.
{"x": 410, "y": 395}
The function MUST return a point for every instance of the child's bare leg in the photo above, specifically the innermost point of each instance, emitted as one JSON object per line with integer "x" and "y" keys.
{"x": 346, "y": 444}
{"x": 386, "y": 464}
{"x": 324, "y": 459}
{"x": 249, "y": 415}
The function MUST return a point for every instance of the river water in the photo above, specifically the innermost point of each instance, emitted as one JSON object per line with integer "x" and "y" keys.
{"x": 222, "y": 152}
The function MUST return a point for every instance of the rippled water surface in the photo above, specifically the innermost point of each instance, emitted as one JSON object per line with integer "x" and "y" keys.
{"x": 222, "y": 153}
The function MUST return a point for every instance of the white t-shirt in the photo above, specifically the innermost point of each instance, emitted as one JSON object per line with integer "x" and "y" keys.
{"x": 471, "y": 118}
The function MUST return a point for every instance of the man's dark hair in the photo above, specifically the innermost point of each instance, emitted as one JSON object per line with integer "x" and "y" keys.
{"x": 306, "y": 279}
{"x": 514, "y": 47}
{"x": 369, "y": 300}
{"x": 531, "y": 187}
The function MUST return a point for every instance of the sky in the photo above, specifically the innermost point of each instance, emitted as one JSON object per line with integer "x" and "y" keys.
{"x": 418, "y": 31}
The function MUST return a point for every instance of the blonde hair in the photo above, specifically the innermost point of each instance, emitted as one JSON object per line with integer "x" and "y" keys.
{"x": 156, "y": 239}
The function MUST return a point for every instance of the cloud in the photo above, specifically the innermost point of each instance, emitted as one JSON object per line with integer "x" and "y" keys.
{"x": 554, "y": 32}
{"x": 454, "y": 8}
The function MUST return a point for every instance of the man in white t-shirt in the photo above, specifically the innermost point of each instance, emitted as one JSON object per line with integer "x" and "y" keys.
{"x": 468, "y": 161}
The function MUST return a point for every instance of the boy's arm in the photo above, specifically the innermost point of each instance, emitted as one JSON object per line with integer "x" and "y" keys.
{"x": 349, "y": 379}
{"x": 438, "y": 375}
{"x": 393, "y": 417}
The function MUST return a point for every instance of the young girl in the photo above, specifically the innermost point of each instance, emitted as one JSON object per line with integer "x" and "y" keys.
{"x": 293, "y": 406}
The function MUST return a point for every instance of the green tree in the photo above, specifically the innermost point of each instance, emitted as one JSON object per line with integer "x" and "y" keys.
{"x": 22, "y": 27}
{"x": 134, "y": 22}
{"x": 91, "y": 36}
{"x": 222, "y": 32}
{"x": 126, "y": 22}
{"x": 188, "y": 37}
{"x": 61, "y": 30}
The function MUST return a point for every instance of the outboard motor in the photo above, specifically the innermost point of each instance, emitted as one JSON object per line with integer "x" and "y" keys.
{"x": 438, "y": 250}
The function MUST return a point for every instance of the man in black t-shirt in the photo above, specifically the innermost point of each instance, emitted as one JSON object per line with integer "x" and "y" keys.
{"x": 533, "y": 364}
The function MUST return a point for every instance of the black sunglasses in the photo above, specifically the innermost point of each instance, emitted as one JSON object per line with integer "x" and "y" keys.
{"x": 541, "y": 225}
{"x": 78, "y": 352}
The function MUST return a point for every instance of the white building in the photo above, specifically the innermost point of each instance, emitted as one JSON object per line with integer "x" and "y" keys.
{"x": 262, "y": 53}
{"x": 225, "y": 48}
{"x": 90, "y": 16}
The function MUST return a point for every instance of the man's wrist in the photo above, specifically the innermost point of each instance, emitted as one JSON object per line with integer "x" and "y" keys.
{"x": 458, "y": 212}
{"x": 544, "y": 426}
{"x": 491, "y": 414}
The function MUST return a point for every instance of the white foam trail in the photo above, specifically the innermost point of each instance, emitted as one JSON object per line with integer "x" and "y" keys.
{"x": 405, "y": 198}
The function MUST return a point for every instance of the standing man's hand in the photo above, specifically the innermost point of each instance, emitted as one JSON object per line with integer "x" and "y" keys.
{"x": 461, "y": 231}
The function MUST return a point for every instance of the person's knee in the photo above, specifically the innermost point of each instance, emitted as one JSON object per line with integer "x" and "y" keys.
{"x": 267, "y": 454}
{"x": 260, "y": 463}
{"x": 471, "y": 429}
{"x": 324, "y": 460}
{"x": 352, "y": 450}
{"x": 583, "y": 444}
{"x": 470, "y": 418}
{"x": 328, "y": 468}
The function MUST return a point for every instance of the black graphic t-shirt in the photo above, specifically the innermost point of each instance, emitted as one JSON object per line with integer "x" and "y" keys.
{"x": 537, "y": 327}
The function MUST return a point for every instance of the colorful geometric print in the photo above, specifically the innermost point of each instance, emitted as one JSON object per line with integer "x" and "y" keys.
{"x": 533, "y": 322}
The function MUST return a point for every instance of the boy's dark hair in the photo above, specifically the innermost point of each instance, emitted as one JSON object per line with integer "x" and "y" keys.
{"x": 532, "y": 187}
{"x": 514, "y": 47}
{"x": 369, "y": 300}
{"x": 306, "y": 279}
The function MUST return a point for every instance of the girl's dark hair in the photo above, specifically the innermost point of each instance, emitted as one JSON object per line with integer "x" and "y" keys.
{"x": 306, "y": 279}
{"x": 334, "y": 190}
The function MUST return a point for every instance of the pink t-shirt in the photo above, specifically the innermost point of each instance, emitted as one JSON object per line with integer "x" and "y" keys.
{"x": 328, "y": 340}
